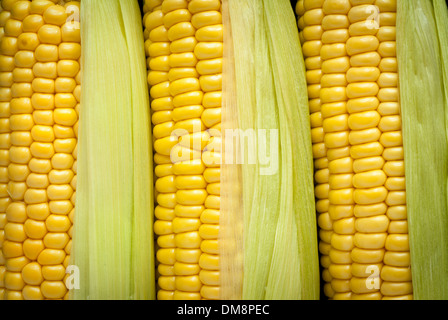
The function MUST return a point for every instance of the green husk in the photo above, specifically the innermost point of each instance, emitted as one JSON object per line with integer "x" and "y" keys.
{"x": 292, "y": 98}
{"x": 113, "y": 233}
{"x": 441, "y": 14}
{"x": 278, "y": 215}
{"x": 423, "y": 102}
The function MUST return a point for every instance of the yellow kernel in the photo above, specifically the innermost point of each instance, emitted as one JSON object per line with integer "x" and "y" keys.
{"x": 53, "y": 289}
{"x": 178, "y": 31}
{"x": 69, "y": 51}
{"x": 167, "y": 200}
{"x": 344, "y": 226}
{"x": 21, "y": 90}
{"x": 54, "y": 240}
{"x": 53, "y": 273}
{"x": 367, "y": 164}
{"x": 166, "y": 241}
{"x": 395, "y": 183}
{"x": 32, "y": 23}
{"x": 342, "y": 242}
{"x": 55, "y": 15}
{"x": 12, "y": 249}
{"x": 366, "y": 150}
{"x": 205, "y": 18}
{"x": 47, "y": 53}
{"x": 50, "y": 34}
{"x": 397, "y": 259}
{"x": 181, "y": 295}
{"x": 369, "y": 179}
{"x": 396, "y": 288}
{"x": 196, "y": 6}
{"x": 362, "y": 44}
{"x": 71, "y": 32}
{"x": 163, "y": 170}
{"x": 63, "y": 132}
{"x": 370, "y": 196}
{"x": 51, "y": 257}
{"x": 188, "y": 283}
{"x": 364, "y": 136}
{"x": 337, "y": 212}
{"x": 32, "y": 274}
{"x": 13, "y": 281}
{"x": 188, "y": 240}
{"x": 6, "y": 63}
{"x": 388, "y": 64}
{"x": 16, "y": 212}
{"x": 367, "y": 256}
{"x": 394, "y": 168}
{"x": 63, "y": 207}
{"x": 58, "y": 223}
{"x": 341, "y": 181}
{"x": 367, "y": 59}
{"x": 15, "y": 232}
{"x": 184, "y": 269}
{"x": 32, "y": 248}
{"x": 65, "y": 85}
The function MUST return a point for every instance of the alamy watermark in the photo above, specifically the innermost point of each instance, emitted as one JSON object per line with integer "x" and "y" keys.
{"x": 73, "y": 16}
{"x": 373, "y": 280}
{"x": 373, "y": 20}
{"x": 236, "y": 146}
{"x": 72, "y": 281}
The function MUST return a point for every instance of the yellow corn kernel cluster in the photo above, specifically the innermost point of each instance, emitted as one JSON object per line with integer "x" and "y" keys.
{"x": 350, "y": 55}
{"x": 5, "y": 84}
{"x": 39, "y": 95}
{"x": 184, "y": 46}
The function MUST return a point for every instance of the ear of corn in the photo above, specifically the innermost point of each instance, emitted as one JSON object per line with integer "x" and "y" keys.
{"x": 358, "y": 151}
{"x": 39, "y": 98}
{"x": 422, "y": 66}
{"x": 375, "y": 224}
{"x": 113, "y": 225}
{"x": 184, "y": 46}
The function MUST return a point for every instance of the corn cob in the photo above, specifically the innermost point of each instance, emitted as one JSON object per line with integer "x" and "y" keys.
{"x": 352, "y": 75}
{"x": 41, "y": 51}
{"x": 184, "y": 44}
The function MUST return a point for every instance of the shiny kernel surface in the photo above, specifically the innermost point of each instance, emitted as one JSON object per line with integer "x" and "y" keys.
{"x": 360, "y": 182}
{"x": 185, "y": 52}
{"x": 40, "y": 67}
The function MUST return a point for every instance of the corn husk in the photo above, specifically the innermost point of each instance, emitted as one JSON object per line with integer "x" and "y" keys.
{"x": 113, "y": 227}
{"x": 421, "y": 54}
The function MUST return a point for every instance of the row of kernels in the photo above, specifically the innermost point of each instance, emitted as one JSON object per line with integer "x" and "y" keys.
{"x": 4, "y": 15}
{"x": 209, "y": 231}
{"x": 310, "y": 32}
{"x": 208, "y": 22}
{"x": 68, "y": 68}
{"x": 190, "y": 196}
{"x": 396, "y": 273}
{"x": 333, "y": 97}
{"x": 370, "y": 224}
{"x": 5, "y": 85}
{"x": 157, "y": 51}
